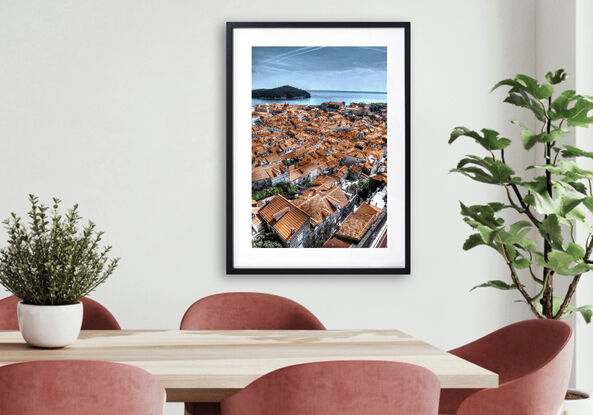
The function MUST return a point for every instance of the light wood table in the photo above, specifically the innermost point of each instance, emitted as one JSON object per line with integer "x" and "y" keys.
{"x": 207, "y": 366}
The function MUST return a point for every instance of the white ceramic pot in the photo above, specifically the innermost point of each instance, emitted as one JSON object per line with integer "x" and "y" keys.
{"x": 577, "y": 406}
{"x": 49, "y": 325}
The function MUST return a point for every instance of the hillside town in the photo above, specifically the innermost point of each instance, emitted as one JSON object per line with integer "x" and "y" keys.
{"x": 319, "y": 175}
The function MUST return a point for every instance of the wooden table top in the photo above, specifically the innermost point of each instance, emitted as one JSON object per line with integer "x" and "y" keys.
{"x": 207, "y": 366}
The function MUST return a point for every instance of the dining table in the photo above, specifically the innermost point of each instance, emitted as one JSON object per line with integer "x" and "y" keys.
{"x": 209, "y": 365}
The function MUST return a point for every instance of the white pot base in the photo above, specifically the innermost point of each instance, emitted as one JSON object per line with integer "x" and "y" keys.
{"x": 49, "y": 326}
{"x": 577, "y": 406}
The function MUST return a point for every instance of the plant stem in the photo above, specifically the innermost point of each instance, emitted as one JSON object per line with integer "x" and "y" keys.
{"x": 574, "y": 283}
{"x": 517, "y": 282}
{"x": 548, "y": 294}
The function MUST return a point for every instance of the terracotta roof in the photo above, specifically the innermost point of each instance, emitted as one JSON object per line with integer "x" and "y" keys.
{"x": 285, "y": 217}
{"x": 294, "y": 174}
{"x": 258, "y": 174}
{"x": 326, "y": 182}
{"x": 379, "y": 178}
{"x": 338, "y": 196}
{"x": 334, "y": 242}
{"x": 357, "y": 223}
{"x": 318, "y": 208}
{"x": 321, "y": 204}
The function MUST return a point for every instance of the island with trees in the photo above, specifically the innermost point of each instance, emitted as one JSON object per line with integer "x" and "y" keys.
{"x": 281, "y": 92}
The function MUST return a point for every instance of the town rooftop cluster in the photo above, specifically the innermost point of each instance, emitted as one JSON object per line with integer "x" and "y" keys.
{"x": 322, "y": 150}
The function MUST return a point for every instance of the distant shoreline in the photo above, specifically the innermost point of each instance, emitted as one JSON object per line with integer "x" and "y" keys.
{"x": 349, "y": 92}
{"x": 312, "y": 105}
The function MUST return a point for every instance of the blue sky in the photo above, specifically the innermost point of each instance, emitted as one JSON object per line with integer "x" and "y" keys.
{"x": 360, "y": 68}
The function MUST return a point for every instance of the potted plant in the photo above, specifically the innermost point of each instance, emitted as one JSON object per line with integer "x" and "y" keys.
{"x": 550, "y": 199}
{"x": 50, "y": 263}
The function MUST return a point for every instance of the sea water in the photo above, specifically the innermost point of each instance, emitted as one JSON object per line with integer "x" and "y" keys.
{"x": 319, "y": 97}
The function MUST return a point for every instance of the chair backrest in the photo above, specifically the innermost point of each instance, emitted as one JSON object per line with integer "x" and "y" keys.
{"x": 248, "y": 311}
{"x": 95, "y": 316}
{"x": 339, "y": 388}
{"x": 542, "y": 352}
{"x": 518, "y": 349}
{"x": 533, "y": 360}
{"x": 69, "y": 387}
{"x": 8, "y": 319}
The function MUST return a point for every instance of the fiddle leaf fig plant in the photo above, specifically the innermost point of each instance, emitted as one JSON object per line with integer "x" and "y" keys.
{"x": 51, "y": 260}
{"x": 552, "y": 197}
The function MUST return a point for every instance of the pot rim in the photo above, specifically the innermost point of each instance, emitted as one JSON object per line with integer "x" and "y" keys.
{"x": 581, "y": 392}
{"x": 48, "y": 305}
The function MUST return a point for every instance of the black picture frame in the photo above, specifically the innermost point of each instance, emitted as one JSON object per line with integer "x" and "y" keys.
{"x": 231, "y": 268}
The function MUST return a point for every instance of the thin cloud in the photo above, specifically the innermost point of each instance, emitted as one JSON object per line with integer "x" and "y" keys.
{"x": 300, "y": 51}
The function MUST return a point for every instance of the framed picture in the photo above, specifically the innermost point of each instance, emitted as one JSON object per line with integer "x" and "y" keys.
{"x": 318, "y": 148}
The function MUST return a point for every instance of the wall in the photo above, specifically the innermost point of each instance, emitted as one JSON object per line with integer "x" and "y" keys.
{"x": 564, "y": 39}
{"x": 584, "y": 138}
{"x": 120, "y": 106}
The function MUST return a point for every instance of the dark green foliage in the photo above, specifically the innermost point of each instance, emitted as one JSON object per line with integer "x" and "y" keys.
{"x": 284, "y": 189}
{"x": 551, "y": 203}
{"x": 266, "y": 240}
{"x": 50, "y": 261}
{"x": 362, "y": 188}
{"x": 281, "y": 92}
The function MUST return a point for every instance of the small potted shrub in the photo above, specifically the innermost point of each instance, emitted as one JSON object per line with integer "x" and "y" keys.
{"x": 50, "y": 263}
{"x": 551, "y": 199}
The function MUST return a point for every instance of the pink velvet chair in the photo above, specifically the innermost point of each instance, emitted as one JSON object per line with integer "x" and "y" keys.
{"x": 73, "y": 387}
{"x": 533, "y": 359}
{"x": 244, "y": 311}
{"x": 339, "y": 388}
{"x": 95, "y": 317}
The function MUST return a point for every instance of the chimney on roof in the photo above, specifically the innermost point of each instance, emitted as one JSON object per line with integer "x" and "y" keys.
{"x": 292, "y": 231}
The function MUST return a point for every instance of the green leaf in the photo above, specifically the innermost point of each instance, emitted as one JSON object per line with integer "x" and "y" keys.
{"x": 501, "y": 285}
{"x": 586, "y": 312}
{"x": 540, "y": 92}
{"x": 486, "y": 170}
{"x": 521, "y": 263}
{"x": 571, "y": 151}
{"x": 472, "y": 241}
{"x": 529, "y": 139}
{"x": 579, "y": 187}
{"x": 505, "y": 82}
{"x": 556, "y": 77}
{"x": 569, "y": 169}
{"x": 563, "y": 203}
{"x": 518, "y": 226}
{"x": 486, "y": 233}
{"x": 550, "y": 229}
{"x": 576, "y": 251}
{"x": 561, "y": 262}
{"x": 482, "y": 215}
{"x": 559, "y": 107}
{"x": 578, "y": 116}
{"x": 497, "y": 206}
{"x": 588, "y": 203}
{"x": 519, "y": 124}
{"x": 489, "y": 138}
{"x": 522, "y": 100}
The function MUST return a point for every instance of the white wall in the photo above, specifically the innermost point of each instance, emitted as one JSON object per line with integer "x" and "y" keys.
{"x": 564, "y": 39}
{"x": 584, "y": 138}
{"x": 120, "y": 106}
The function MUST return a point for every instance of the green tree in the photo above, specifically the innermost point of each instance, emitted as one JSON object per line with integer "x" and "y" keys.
{"x": 266, "y": 240}
{"x": 551, "y": 203}
{"x": 285, "y": 189}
